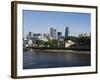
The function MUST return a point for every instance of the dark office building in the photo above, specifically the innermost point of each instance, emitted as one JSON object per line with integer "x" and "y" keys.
{"x": 66, "y": 32}
{"x": 59, "y": 35}
{"x": 30, "y": 35}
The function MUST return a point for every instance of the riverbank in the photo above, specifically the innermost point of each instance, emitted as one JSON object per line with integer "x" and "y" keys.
{"x": 61, "y": 48}
{"x": 60, "y": 51}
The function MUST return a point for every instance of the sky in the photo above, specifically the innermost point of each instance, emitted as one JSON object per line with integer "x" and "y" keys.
{"x": 42, "y": 21}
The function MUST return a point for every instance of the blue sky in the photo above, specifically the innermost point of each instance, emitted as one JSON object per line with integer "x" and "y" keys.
{"x": 42, "y": 21}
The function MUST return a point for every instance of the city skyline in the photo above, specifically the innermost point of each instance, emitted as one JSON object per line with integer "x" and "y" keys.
{"x": 42, "y": 21}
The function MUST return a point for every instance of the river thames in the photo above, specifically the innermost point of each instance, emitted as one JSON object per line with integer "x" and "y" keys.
{"x": 57, "y": 58}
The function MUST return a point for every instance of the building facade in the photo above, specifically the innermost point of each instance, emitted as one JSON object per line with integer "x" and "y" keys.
{"x": 59, "y": 35}
{"x": 53, "y": 33}
{"x": 66, "y": 32}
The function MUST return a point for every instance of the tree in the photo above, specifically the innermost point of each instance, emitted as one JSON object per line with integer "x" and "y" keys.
{"x": 39, "y": 42}
{"x": 84, "y": 40}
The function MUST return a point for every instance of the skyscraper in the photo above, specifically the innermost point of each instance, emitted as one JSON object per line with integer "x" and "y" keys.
{"x": 53, "y": 33}
{"x": 66, "y": 32}
{"x": 30, "y": 35}
{"x": 59, "y": 35}
{"x": 27, "y": 36}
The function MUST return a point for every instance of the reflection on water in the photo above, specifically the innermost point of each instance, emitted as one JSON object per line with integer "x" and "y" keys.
{"x": 33, "y": 59}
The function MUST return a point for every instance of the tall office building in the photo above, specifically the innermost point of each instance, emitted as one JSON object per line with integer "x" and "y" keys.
{"x": 27, "y": 36}
{"x": 30, "y": 35}
{"x": 59, "y": 35}
{"x": 66, "y": 32}
{"x": 53, "y": 33}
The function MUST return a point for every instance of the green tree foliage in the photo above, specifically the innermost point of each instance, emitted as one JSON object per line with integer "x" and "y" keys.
{"x": 39, "y": 42}
{"x": 84, "y": 40}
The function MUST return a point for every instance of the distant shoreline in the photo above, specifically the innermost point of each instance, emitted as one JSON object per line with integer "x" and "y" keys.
{"x": 60, "y": 51}
{"x": 58, "y": 48}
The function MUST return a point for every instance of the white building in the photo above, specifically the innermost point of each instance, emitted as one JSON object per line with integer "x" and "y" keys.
{"x": 30, "y": 42}
{"x": 68, "y": 43}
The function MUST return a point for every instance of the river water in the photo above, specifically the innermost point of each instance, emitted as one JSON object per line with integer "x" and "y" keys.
{"x": 34, "y": 59}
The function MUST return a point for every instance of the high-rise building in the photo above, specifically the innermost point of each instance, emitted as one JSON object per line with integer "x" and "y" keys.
{"x": 53, "y": 33}
{"x": 66, "y": 32}
{"x": 30, "y": 35}
{"x": 59, "y": 35}
{"x": 27, "y": 36}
